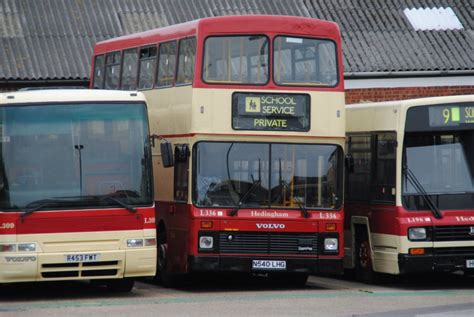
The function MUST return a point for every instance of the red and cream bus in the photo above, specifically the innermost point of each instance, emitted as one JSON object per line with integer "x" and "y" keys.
{"x": 254, "y": 108}
{"x": 76, "y": 196}
{"x": 410, "y": 186}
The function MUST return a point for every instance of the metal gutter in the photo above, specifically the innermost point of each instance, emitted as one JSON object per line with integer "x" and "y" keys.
{"x": 43, "y": 81}
{"x": 396, "y": 74}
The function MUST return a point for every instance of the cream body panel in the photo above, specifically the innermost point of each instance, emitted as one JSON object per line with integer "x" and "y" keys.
{"x": 84, "y": 241}
{"x": 52, "y": 249}
{"x": 212, "y": 113}
{"x": 186, "y": 115}
{"x": 169, "y": 110}
{"x": 385, "y": 253}
{"x": 69, "y": 95}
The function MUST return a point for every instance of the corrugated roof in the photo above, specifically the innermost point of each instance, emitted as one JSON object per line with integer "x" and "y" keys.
{"x": 53, "y": 39}
{"x": 378, "y": 37}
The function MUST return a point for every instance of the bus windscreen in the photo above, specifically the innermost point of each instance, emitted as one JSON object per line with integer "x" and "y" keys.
{"x": 74, "y": 155}
{"x": 260, "y": 175}
{"x": 443, "y": 163}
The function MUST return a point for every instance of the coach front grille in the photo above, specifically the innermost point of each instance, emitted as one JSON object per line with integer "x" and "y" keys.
{"x": 453, "y": 233}
{"x": 80, "y": 269}
{"x": 268, "y": 243}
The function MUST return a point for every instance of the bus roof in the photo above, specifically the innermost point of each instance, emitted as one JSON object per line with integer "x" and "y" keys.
{"x": 68, "y": 95}
{"x": 249, "y": 24}
{"x": 386, "y": 116}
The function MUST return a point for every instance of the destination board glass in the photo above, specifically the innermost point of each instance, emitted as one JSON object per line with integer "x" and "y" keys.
{"x": 270, "y": 112}
{"x": 452, "y": 116}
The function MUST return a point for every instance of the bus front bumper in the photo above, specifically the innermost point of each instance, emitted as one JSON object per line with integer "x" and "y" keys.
{"x": 438, "y": 260}
{"x": 245, "y": 264}
{"x": 53, "y": 266}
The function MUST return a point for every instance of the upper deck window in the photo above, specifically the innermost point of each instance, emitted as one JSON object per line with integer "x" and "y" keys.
{"x": 301, "y": 61}
{"x": 112, "y": 70}
{"x": 236, "y": 60}
{"x": 98, "y": 72}
{"x": 187, "y": 56}
{"x": 129, "y": 69}
{"x": 166, "y": 64}
{"x": 147, "y": 67}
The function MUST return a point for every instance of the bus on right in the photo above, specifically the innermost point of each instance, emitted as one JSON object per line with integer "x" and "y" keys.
{"x": 410, "y": 187}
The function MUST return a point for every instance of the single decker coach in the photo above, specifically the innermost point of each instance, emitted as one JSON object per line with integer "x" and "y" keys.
{"x": 410, "y": 186}
{"x": 76, "y": 194}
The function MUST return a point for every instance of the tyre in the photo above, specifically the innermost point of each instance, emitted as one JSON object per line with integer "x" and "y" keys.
{"x": 364, "y": 270}
{"x": 120, "y": 285}
{"x": 163, "y": 277}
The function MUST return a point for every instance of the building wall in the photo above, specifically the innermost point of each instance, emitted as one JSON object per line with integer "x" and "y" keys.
{"x": 387, "y": 94}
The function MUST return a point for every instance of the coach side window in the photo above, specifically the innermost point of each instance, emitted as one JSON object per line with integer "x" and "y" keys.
{"x": 112, "y": 70}
{"x": 186, "y": 59}
{"x": 384, "y": 167}
{"x": 358, "y": 175}
{"x": 98, "y": 72}
{"x": 129, "y": 69}
{"x": 147, "y": 67}
{"x": 166, "y": 64}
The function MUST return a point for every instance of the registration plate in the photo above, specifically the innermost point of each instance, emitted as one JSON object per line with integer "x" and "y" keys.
{"x": 86, "y": 257}
{"x": 268, "y": 265}
{"x": 470, "y": 264}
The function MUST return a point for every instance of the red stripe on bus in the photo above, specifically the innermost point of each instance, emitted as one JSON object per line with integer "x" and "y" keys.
{"x": 190, "y": 135}
{"x": 79, "y": 224}
{"x": 395, "y": 220}
{"x": 76, "y": 221}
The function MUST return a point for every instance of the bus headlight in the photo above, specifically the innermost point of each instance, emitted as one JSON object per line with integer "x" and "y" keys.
{"x": 206, "y": 242}
{"x": 331, "y": 244}
{"x": 135, "y": 243}
{"x": 26, "y": 247}
{"x": 417, "y": 234}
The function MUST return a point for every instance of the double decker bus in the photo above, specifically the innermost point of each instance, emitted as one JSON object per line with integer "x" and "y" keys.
{"x": 252, "y": 110}
{"x": 76, "y": 191}
{"x": 410, "y": 187}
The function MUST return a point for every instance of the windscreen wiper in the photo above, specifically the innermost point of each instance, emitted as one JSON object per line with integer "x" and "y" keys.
{"x": 100, "y": 198}
{"x": 234, "y": 211}
{"x": 303, "y": 209}
{"x": 40, "y": 205}
{"x": 410, "y": 176}
{"x": 118, "y": 201}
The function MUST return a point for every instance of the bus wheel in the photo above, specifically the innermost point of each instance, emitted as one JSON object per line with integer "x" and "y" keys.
{"x": 123, "y": 285}
{"x": 163, "y": 277}
{"x": 364, "y": 271}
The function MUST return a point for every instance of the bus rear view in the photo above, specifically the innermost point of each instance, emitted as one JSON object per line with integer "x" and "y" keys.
{"x": 75, "y": 187}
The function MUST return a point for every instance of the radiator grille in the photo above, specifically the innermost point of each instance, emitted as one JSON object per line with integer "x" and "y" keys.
{"x": 268, "y": 243}
{"x": 76, "y": 270}
{"x": 453, "y": 233}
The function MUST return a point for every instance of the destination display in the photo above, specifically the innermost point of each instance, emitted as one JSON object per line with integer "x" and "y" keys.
{"x": 448, "y": 116}
{"x": 273, "y": 112}
{"x": 459, "y": 116}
